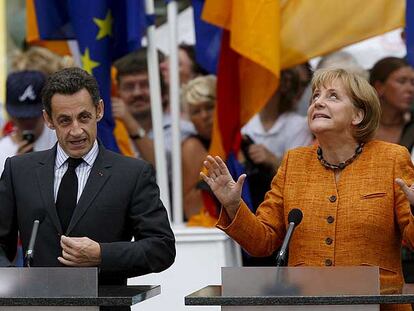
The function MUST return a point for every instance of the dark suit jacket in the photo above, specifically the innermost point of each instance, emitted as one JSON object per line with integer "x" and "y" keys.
{"x": 120, "y": 201}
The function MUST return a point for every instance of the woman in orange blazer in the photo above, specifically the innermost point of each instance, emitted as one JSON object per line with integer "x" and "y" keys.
{"x": 353, "y": 211}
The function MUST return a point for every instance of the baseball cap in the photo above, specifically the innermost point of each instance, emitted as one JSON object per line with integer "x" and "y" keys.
{"x": 23, "y": 94}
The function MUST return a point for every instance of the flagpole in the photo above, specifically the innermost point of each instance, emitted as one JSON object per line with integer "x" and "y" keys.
{"x": 177, "y": 185}
{"x": 156, "y": 110}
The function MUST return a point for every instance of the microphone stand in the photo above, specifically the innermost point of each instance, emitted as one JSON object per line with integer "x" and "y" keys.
{"x": 281, "y": 256}
{"x": 30, "y": 249}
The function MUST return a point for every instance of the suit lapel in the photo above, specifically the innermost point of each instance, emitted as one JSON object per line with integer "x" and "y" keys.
{"x": 97, "y": 178}
{"x": 45, "y": 176}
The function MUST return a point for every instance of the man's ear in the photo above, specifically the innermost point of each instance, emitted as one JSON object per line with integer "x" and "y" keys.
{"x": 100, "y": 110}
{"x": 48, "y": 120}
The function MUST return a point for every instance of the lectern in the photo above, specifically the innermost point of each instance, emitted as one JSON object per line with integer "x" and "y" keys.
{"x": 298, "y": 288}
{"x": 64, "y": 289}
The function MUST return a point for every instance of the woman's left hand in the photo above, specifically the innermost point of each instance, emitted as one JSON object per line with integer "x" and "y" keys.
{"x": 408, "y": 191}
{"x": 226, "y": 190}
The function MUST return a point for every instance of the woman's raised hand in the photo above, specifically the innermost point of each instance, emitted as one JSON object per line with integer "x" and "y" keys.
{"x": 227, "y": 191}
{"x": 408, "y": 191}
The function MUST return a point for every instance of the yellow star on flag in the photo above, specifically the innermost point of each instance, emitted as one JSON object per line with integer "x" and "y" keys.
{"x": 105, "y": 26}
{"x": 87, "y": 63}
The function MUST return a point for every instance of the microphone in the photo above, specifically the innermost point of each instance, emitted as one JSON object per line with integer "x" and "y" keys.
{"x": 294, "y": 218}
{"x": 39, "y": 216}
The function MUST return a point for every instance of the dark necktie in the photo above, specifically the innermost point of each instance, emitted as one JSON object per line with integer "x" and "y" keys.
{"x": 68, "y": 192}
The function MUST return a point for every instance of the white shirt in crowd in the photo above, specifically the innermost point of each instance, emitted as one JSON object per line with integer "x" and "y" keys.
{"x": 290, "y": 130}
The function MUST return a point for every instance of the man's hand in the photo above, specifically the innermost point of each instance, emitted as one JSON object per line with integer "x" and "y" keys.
{"x": 121, "y": 112}
{"x": 79, "y": 252}
{"x": 119, "y": 109}
{"x": 24, "y": 147}
{"x": 408, "y": 191}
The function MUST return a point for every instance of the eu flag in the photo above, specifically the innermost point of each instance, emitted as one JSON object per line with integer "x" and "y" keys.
{"x": 208, "y": 40}
{"x": 105, "y": 30}
{"x": 409, "y": 31}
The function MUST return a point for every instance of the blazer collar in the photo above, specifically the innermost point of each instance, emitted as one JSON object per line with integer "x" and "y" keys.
{"x": 45, "y": 176}
{"x": 98, "y": 176}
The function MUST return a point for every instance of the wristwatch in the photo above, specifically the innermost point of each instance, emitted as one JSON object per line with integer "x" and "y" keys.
{"x": 141, "y": 133}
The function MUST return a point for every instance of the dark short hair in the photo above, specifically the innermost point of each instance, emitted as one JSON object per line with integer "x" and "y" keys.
{"x": 132, "y": 63}
{"x": 385, "y": 67}
{"x": 190, "y": 51}
{"x": 288, "y": 89}
{"x": 136, "y": 63}
{"x": 69, "y": 81}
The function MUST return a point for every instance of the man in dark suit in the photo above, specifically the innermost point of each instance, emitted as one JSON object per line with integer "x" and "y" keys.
{"x": 91, "y": 214}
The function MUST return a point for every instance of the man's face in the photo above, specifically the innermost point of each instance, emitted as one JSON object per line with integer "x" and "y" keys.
{"x": 34, "y": 125}
{"x": 134, "y": 91}
{"x": 74, "y": 118}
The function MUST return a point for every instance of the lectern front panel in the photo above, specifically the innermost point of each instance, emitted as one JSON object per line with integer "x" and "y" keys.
{"x": 304, "y": 308}
{"x": 50, "y": 308}
{"x": 48, "y": 282}
{"x": 300, "y": 281}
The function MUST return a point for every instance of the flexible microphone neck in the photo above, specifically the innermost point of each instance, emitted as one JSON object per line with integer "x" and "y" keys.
{"x": 294, "y": 218}
{"x": 30, "y": 249}
{"x": 39, "y": 216}
{"x": 281, "y": 256}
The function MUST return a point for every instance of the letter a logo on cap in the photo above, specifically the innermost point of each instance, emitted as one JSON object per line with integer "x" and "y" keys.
{"x": 28, "y": 94}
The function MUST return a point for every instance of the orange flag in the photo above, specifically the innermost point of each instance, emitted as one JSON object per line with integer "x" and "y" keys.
{"x": 32, "y": 33}
{"x": 263, "y": 36}
{"x": 249, "y": 64}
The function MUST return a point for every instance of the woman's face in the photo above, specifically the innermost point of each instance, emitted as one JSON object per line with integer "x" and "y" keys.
{"x": 331, "y": 111}
{"x": 202, "y": 115}
{"x": 185, "y": 68}
{"x": 398, "y": 90}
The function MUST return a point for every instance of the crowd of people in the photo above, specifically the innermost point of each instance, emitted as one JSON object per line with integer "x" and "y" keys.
{"x": 339, "y": 162}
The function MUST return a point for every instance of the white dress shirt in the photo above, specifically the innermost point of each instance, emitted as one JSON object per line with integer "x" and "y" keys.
{"x": 82, "y": 171}
{"x": 9, "y": 148}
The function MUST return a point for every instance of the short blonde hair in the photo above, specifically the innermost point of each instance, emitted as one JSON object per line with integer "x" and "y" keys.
{"x": 40, "y": 59}
{"x": 199, "y": 90}
{"x": 363, "y": 97}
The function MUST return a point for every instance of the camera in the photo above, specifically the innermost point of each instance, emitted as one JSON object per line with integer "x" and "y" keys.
{"x": 245, "y": 144}
{"x": 28, "y": 136}
{"x": 250, "y": 167}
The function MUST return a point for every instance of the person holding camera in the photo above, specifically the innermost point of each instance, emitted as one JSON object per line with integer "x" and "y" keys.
{"x": 101, "y": 209}
{"x": 24, "y": 107}
{"x": 267, "y": 137}
{"x": 271, "y": 133}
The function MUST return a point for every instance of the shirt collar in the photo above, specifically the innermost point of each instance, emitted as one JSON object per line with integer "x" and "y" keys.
{"x": 89, "y": 158}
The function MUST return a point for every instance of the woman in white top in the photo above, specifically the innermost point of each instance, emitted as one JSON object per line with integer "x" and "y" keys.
{"x": 277, "y": 127}
{"x": 273, "y": 131}
{"x": 267, "y": 136}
